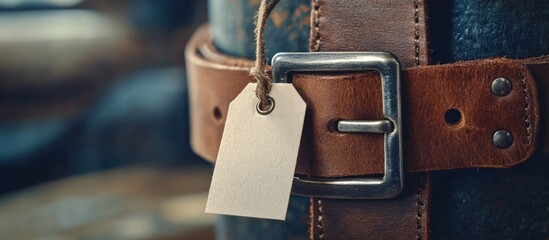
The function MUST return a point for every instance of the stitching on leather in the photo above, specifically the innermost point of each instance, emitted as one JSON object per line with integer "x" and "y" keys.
{"x": 316, "y": 44}
{"x": 419, "y": 197}
{"x": 311, "y": 218}
{"x": 420, "y": 204}
{"x": 320, "y": 224}
{"x": 416, "y": 31}
{"x": 526, "y": 109}
{"x": 314, "y": 47}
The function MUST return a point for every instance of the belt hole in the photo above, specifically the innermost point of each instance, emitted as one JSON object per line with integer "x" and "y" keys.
{"x": 452, "y": 116}
{"x": 217, "y": 114}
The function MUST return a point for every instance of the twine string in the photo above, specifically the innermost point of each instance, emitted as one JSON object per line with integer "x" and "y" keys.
{"x": 258, "y": 71}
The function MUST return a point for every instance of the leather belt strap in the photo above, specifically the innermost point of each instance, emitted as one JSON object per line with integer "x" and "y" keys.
{"x": 404, "y": 217}
{"x": 357, "y": 25}
{"x": 396, "y": 26}
{"x": 427, "y": 94}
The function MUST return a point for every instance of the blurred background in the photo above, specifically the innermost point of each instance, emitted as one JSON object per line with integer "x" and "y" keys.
{"x": 93, "y": 121}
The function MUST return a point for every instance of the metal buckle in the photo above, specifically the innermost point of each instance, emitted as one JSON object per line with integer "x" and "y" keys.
{"x": 389, "y": 68}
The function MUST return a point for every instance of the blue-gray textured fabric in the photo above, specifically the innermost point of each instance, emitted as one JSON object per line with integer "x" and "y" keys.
{"x": 466, "y": 204}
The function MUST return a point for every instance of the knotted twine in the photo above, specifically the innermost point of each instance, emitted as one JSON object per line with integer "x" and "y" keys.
{"x": 258, "y": 71}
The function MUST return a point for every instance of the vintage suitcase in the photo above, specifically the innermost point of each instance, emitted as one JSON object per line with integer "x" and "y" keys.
{"x": 474, "y": 85}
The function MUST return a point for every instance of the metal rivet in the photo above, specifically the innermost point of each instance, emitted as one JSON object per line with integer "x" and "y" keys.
{"x": 501, "y": 86}
{"x": 502, "y": 139}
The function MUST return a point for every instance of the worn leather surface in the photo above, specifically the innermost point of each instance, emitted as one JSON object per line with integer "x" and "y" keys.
{"x": 426, "y": 135}
{"x": 361, "y": 26}
{"x": 540, "y": 70}
{"x": 468, "y": 203}
{"x": 491, "y": 203}
{"x": 342, "y": 25}
{"x": 404, "y": 217}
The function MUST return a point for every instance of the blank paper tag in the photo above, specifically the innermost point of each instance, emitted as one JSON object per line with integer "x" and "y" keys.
{"x": 256, "y": 162}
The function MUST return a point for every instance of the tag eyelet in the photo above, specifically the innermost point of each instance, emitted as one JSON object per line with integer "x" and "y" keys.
{"x": 268, "y": 110}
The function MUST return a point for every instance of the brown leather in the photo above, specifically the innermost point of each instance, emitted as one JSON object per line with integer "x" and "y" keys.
{"x": 396, "y": 26}
{"x": 404, "y": 217}
{"x": 540, "y": 71}
{"x": 427, "y": 93}
{"x": 341, "y": 25}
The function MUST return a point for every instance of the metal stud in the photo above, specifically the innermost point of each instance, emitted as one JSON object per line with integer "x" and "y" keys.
{"x": 501, "y": 86}
{"x": 502, "y": 139}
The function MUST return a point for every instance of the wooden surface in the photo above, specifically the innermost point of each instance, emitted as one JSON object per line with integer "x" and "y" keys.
{"x": 130, "y": 203}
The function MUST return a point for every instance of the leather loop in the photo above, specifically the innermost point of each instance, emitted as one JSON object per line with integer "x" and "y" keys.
{"x": 343, "y": 25}
{"x": 428, "y": 93}
{"x": 404, "y": 217}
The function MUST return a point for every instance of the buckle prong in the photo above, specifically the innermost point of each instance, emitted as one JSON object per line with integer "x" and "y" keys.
{"x": 360, "y": 126}
{"x": 391, "y": 184}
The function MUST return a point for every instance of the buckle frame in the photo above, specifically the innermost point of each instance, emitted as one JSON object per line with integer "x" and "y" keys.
{"x": 391, "y": 184}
